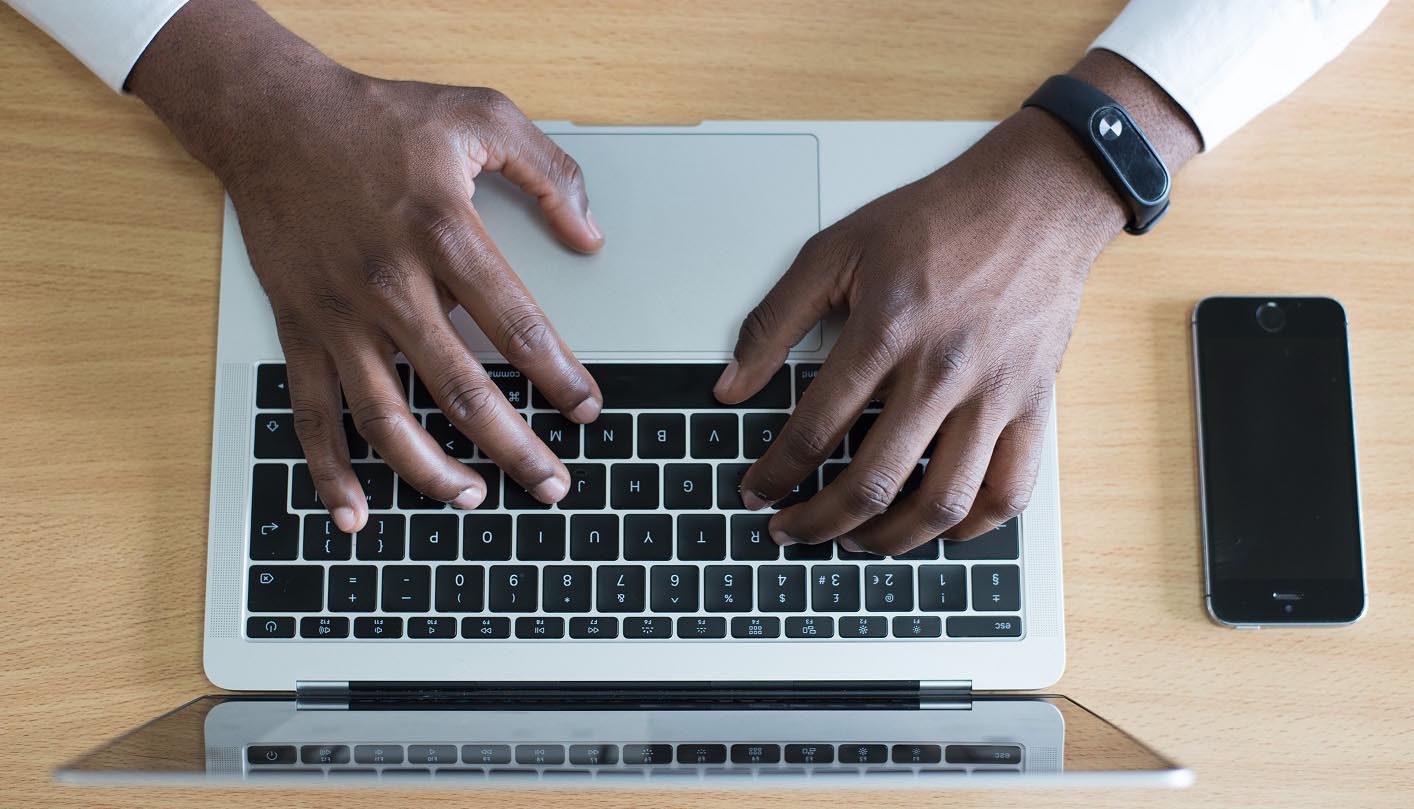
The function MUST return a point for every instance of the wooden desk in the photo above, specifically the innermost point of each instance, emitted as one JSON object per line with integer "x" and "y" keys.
{"x": 108, "y": 274}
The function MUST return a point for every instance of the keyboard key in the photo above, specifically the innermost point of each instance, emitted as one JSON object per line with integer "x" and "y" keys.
{"x": 378, "y": 754}
{"x": 918, "y": 626}
{"x": 453, "y": 441}
{"x": 432, "y": 754}
{"x": 274, "y": 532}
{"x": 486, "y": 537}
{"x": 727, "y": 588}
{"x": 859, "y": 430}
{"x": 674, "y": 588}
{"x": 594, "y": 537}
{"x": 1002, "y": 542}
{"x": 750, "y": 539}
{"x": 802, "y": 491}
{"x": 272, "y": 389}
{"x": 996, "y": 587}
{"x": 275, "y": 436}
{"x": 620, "y": 588}
{"x": 984, "y": 626}
{"x": 942, "y": 588}
{"x": 818, "y": 753}
{"x": 984, "y": 753}
{"x": 285, "y": 588}
{"x": 928, "y": 550}
{"x": 486, "y": 629}
{"x": 358, "y": 447}
{"x": 558, "y": 433}
{"x": 662, "y": 435}
{"x": 538, "y": 628}
{"x": 567, "y": 588}
{"x": 687, "y": 486}
{"x": 656, "y": 627}
{"x": 377, "y": 482}
{"x": 805, "y": 373}
{"x": 595, "y": 628}
{"x": 434, "y": 537}
{"x": 700, "y": 627}
{"x": 491, "y": 475}
{"x": 834, "y": 588}
{"x": 610, "y": 436}
{"x": 702, "y": 537}
{"x": 863, "y": 754}
{"x": 513, "y": 588}
{"x": 781, "y": 588}
{"x": 323, "y": 541}
{"x": 407, "y": 588}
{"x": 729, "y": 486}
{"x": 830, "y": 471}
{"x": 767, "y": 626}
{"x": 460, "y": 588}
{"x": 271, "y": 754}
{"x": 648, "y": 537}
{"x": 430, "y": 627}
{"x": 410, "y": 499}
{"x": 587, "y": 487}
{"x": 302, "y": 492}
{"x": 594, "y": 754}
{"x": 702, "y": 753}
{"x": 540, "y": 537}
{"x": 810, "y": 626}
{"x": 917, "y": 754}
{"x": 352, "y": 588}
{"x": 383, "y": 538}
{"x": 633, "y": 487}
{"x": 888, "y": 588}
{"x": 714, "y": 435}
{"x": 378, "y": 628}
{"x": 513, "y": 384}
{"x": 637, "y": 754}
{"x": 674, "y": 386}
{"x": 759, "y": 431}
{"x": 323, "y": 626}
{"x": 865, "y": 626}
{"x": 270, "y": 626}
{"x": 540, "y": 754}
{"x": 518, "y": 499}
{"x": 486, "y": 754}
{"x": 820, "y": 551}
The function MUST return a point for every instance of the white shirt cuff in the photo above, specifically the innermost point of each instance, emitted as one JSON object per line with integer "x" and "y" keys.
{"x": 108, "y": 36}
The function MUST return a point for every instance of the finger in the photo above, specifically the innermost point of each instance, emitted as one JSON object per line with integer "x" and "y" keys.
{"x": 319, "y": 423}
{"x": 790, "y": 310}
{"x": 466, "y": 261}
{"x": 1010, "y": 477}
{"x": 381, "y": 415}
{"x": 827, "y": 409}
{"x": 868, "y": 485}
{"x": 948, "y": 491}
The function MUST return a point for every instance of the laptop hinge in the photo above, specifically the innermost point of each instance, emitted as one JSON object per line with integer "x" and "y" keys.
{"x": 322, "y": 695}
{"x": 945, "y": 695}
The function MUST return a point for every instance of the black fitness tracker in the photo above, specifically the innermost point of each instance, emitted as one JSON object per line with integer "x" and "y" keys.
{"x": 1124, "y": 155}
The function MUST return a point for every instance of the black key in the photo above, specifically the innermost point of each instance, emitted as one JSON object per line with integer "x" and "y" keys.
{"x": 781, "y": 588}
{"x": 928, "y": 550}
{"x": 383, "y": 538}
{"x": 810, "y": 626}
{"x": 272, "y": 389}
{"x": 324, "y": 754}
{"x": 674, "y": 386}
{"x": 492, "y": 477}
{"x": 358, "y": 447}
{"x": 858, "y": 555}
{"x": 834, "y": 588}
{"x": 687, "y": 486}
{"x": 486, "y": 754}
{"x": 352, "y": 588}
{"x": 829, "y": 472}
{"x": 917, "y": 753}
{"x": 802, "y": 491}
{"x": 727, "y": 588}
{"x": 377, "y": 482}
{"x": 486, "y": 537}
{"x": 513, "y": 384}
{"x": 869, "y": 626}
{"x": 942, "y": 588}
{"x": 453, "y": 442}
{"x": 729, "y": 485}
{"x": 302, "y": 492}
{"x": 751, "y": 540}
{"x": 587, "y": 487}
{"x": 759, "y": 431}
{"x": 648, "y": 628}
{"x": 662, "y": 435}
{"x": 404, "y": 378}
{"x": 432, "y": 754}
{"x": 540, "y": 537}
{"x": 805, "y": 373}
{"x": 434, "y": 537}
{"x": 690, "y": 627}
{"x": 410, "y": 499}
{"x": 996, "y": 587}
{"x": 323, "y": 626}
{"x": 674, "y": 588}
{"x": 918, "y": 626}
{"x": 610, "y": 436}
{"x": 286, "y": 588}
{"x": 983, "y": 753}
{"x": 714, "y": 435}
{"x": 274, "y": 532}
{"x": 859, "y": 430}
{"x": 1002, "y": 542}
{"x": 819, "y": 753}
{"x": 820, "y": 551}
{"x": 648, "y": 754}
{"x": 911, "y": 484}
{"x": 648, "y": 537}
{"x": 460, "y": 588}
{"x": 540, "y": 754}
{"x": 486, "y": 628}
{"x": 270, "y": 626}
{"x": 518, "y": 499}
{"x": 323, "y": 541}
{"x": 378, "y": 753}
{"x": 275, "y": 436}
{"x": 702, "y": 753}
{"x": 513, "y": 588}
{"x": 540, "y": 628}
{"x": 863, "y": 754}
{"x": 702, "y": 537}
{"x": 767, "y": 626}
{"x": 595, "y": 628}
{"x": 620, "y": 588}
{"x": 378, "y": 628}
{"x": 439, "y": 627}
{"x": 888, "y": 588}
{"x": 594, "y": 537}
{"x": 633, "y": 486}
{"x": 984, "y": 626}
{"x": 567, "y": 588}
{"x": 270, "y": 754}
{"x": 407, "y": 588}
{"x": 558, "y": 433}
{"x": 594, "y": 754}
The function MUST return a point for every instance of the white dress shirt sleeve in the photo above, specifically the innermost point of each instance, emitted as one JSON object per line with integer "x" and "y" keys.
{"x": 1224, "y": 61}
{"x": 108, "y": 36}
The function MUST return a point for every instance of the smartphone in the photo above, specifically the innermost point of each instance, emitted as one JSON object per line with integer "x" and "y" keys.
{"x": 1278, "y": 479}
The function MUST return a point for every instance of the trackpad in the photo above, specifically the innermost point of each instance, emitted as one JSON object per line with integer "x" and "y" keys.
{"x": 697, "y": 228}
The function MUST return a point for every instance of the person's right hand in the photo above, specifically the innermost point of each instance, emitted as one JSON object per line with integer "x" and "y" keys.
{"x": 355, "y": 199}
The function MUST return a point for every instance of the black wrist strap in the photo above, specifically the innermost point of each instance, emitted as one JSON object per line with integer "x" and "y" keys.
{"x": 1116, "y": 143}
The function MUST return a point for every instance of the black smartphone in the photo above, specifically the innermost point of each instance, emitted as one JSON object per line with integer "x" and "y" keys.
{"x": 1276, "y": 462}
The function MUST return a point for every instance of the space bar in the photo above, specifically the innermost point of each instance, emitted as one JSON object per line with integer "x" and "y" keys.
{"x": 636, "y": 385}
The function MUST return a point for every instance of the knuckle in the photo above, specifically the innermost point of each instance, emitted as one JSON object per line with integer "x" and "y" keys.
{"x": 1010, "y": 500}
{"x": 490, "y": 102}
{"x": 805, "y": 442}
{"x": 312, "y": 426}
{"x": 759, "y": 323}
{"x": 384, "y": 282}
{"x": 525, "y": 333}
{"x": 942, "y": 513}
{"x": 871, "y": 492}
{"x": 468, "y": 402}
{"x": 565, "y": 172}
{"x": 444, "y": 233}
{"x": 381, "y": 423}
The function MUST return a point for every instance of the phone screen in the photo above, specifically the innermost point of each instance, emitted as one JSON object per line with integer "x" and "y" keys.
{"x": 1281, "y": 517}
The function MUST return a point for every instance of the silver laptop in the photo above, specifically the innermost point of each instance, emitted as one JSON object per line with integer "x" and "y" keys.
{"x": 651, "y": 584}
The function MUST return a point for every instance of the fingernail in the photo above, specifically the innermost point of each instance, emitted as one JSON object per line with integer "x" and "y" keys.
{"x": 782, "y": 538}
{"x": 469, "y": 498}
{"x": 550, "y": 490}
{"x": 586, "y": 411}
{"x": 346, "y": 518}
{"x": 850, "y": 545}
{"x": 725, "y": 380}
{"x": 753, "y": 501}
{"x": 593, "y": 226}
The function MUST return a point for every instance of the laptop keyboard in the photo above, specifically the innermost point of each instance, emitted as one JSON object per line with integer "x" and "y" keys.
{"x": 652, "y": 541}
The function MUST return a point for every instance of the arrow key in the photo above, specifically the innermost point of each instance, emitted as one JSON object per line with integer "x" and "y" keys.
{"x": 272, "y": 390}
{"x": 275, "y": 436}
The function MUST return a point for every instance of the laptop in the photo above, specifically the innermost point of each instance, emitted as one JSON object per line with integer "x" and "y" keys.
{"x": 647, "y": 624}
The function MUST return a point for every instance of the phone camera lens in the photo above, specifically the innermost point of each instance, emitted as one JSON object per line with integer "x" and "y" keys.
{"x": 1271, "y": 317}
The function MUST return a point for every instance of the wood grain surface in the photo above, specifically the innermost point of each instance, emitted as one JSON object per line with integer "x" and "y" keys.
{"x": 109, "y": 239}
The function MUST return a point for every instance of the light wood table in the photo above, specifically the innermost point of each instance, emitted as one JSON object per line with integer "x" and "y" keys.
{"x": 108, "y": 274}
